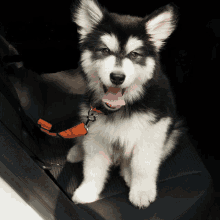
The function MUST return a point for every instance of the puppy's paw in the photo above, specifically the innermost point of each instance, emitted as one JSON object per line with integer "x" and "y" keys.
{"x": 85, "y": 194}
{"x": 142, "y": 196}
{"x": 75, "y": 154}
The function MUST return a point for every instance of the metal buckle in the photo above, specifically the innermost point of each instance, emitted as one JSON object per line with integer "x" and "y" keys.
{"x": 91, "y": 117}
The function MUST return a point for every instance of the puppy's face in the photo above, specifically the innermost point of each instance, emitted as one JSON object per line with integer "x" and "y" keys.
{"x": 120, "y": 51}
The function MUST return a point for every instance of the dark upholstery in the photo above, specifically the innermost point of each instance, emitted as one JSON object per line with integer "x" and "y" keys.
{"x": 185, "y": 188}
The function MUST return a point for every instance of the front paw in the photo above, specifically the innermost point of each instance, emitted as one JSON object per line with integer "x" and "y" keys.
{"x": 85, "y": 194}
{"x": 142, "y": 196}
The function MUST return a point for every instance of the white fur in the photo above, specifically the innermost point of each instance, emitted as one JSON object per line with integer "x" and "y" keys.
{"x": 111, "y": 42}
{"x": 106, "y": 67}
{"x": 90, "y": 68}
{"x": 143, "y": 142}
{"x": 132, "y": 44}
{"x": 142, "y": 75}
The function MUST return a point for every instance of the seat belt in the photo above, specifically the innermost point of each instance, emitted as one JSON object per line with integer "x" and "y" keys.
{"x": 5, "y": 84}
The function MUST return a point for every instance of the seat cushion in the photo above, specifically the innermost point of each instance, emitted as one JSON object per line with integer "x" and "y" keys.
{"x": 184, "y": 188}
{"x": 184, "y": 184}
{"x": 185, "y": 191}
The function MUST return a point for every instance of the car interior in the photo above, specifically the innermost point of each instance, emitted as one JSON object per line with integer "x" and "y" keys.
{"x": 33, "y": 164}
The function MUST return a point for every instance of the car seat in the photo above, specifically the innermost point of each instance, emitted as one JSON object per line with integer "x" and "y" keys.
{"x": 34, "y": 163}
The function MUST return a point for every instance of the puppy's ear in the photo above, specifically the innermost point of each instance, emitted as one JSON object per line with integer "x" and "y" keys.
{"x": 161, "y": 24}
{"x": 86, "y": 14}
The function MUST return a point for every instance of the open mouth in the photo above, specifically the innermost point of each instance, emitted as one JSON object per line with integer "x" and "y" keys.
{"x": 109, "y": 106}
{"x": 106, "y": 89}
{"x": 113, "y": 98}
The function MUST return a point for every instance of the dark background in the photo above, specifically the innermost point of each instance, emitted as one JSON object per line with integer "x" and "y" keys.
{"x": 43, "y": 33}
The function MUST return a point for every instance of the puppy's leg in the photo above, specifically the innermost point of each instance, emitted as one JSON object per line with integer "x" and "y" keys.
{"x": 144, "y": 170}
{"x": 95, "y": 169}
{"x": 145, "y": 164}
{"x": 125, "y": 171}
{"x": 76, "y": 153}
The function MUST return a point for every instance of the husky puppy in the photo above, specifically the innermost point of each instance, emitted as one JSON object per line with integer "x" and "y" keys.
{"x": 137, "y": 127}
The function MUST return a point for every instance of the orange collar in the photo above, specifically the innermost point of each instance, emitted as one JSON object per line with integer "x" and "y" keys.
{"x": 77, "y": 131}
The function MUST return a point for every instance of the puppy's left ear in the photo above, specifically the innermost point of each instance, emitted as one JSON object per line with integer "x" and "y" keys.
{"x": 161, "y": 24}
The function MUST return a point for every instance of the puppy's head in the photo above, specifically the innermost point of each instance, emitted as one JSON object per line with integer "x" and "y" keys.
{"x": 119, "y": 53}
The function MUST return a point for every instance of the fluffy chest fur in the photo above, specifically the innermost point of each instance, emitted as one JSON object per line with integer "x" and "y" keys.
{"x": 117, "y": 138}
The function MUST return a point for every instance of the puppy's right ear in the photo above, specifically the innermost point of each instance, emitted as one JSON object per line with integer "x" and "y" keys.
{"x": 86, "y": 14}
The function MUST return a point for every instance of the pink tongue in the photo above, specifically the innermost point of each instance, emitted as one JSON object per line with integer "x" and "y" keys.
{"x": 114, "y": 97}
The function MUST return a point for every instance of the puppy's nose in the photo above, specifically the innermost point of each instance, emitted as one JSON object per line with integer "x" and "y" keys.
{"x": 117, "y": 78}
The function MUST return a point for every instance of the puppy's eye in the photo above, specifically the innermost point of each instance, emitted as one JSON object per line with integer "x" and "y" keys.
{"x": 134, "y": 55}
{"x": 105, "y": 51}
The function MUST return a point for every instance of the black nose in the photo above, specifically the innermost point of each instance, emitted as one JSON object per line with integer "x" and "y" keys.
{"x": 117, "y": 78}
